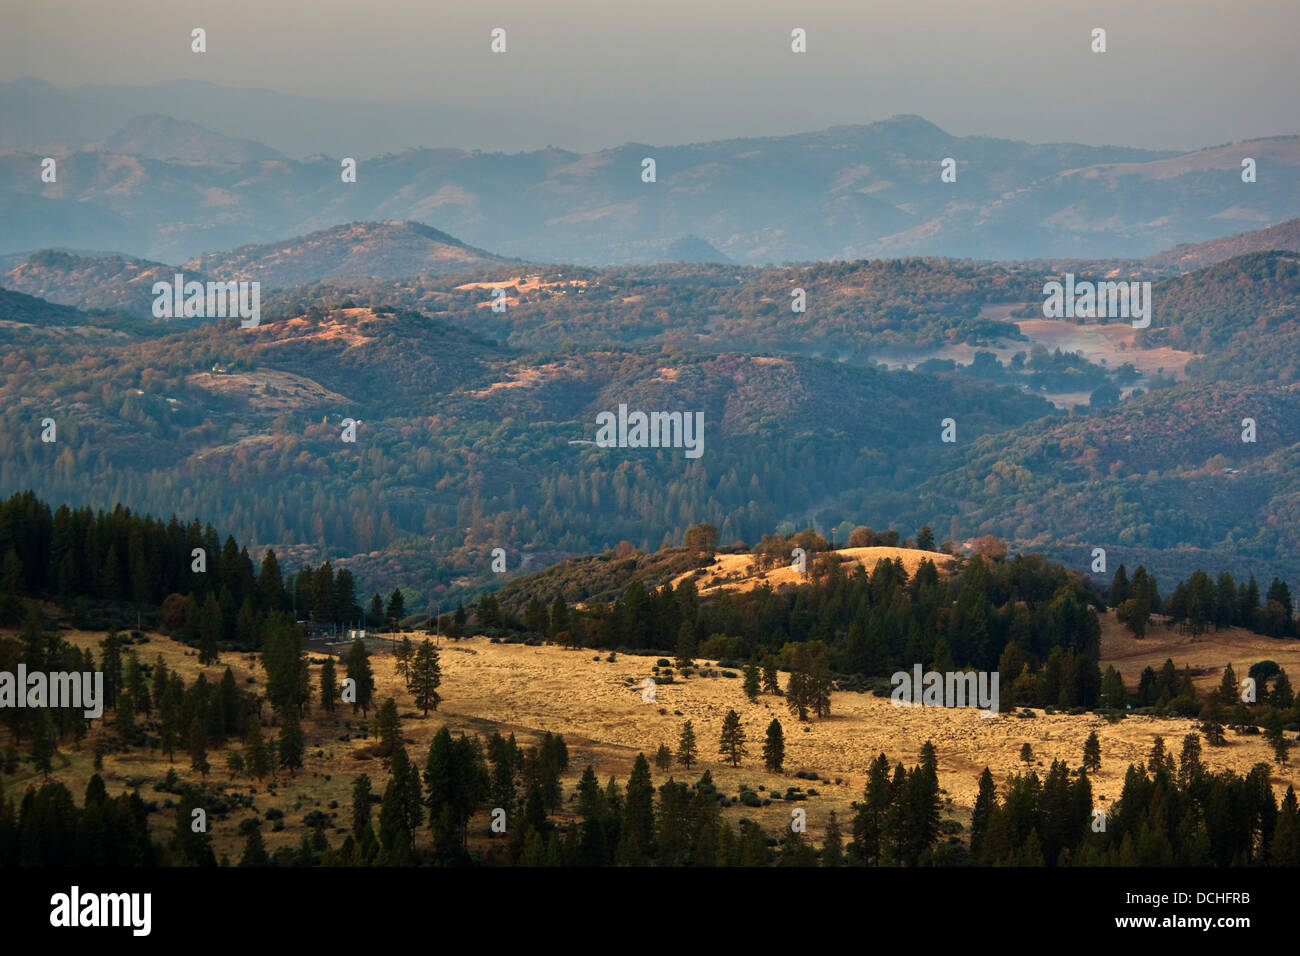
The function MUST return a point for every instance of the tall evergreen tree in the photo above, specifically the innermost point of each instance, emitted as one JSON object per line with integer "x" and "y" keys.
{"x": 1092, "y": 753}
{"x": 426, "y": 677}
{"x": 329, "y": 684}
{"x": 358, "y": 666}
{"x": 732, "y": 742}
{"x": 774, "y": 747}
{"x": 687, "y": 750}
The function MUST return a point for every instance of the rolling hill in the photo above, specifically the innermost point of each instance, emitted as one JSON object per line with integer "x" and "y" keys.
{"x": 844, "y": 192}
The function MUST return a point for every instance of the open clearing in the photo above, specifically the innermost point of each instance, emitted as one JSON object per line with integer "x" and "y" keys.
{"x": 734, "y": 572}
{"x": 597, "y": 705}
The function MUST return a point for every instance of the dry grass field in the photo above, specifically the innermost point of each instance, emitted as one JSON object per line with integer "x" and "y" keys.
{"x": 732, "y": 572}
{"x": 597, "y": 705}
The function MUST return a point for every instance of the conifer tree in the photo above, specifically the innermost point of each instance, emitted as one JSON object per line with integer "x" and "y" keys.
{"x": 732, "y": 742}
{"x": 663, "y": 757}
{"x": 291, "y": 743}
{"x": 256, "y": 758}
{"x": 833, "y": 844}
{"x": 396, "y": 609}
{"x": 687, "y": 751}
{"x": 986, "y": 802}
{"x": 774, "y": 747}
{"x": 329, "y": 684}
{"x": 43, "y": 746}
{"x": 1092, "y": 753}
{"x": 387, "y": 726}
{"x": 1212, "y": 723}
{"x": 198, "y": 747}
{"x": 358, "y": 666}
{"x": 1276, "y": 735}
{"x": 405, "y": 655}
{"x": 360, "y": 804}
{"x": 637, "y": 838}
{"x": 751, "y": 685}
{"x": 192, "y": 846}
{"x": 1228, "y": 689}
{"x": 1027, "y": 754}
{"x": 254, "y": 849}
{"x": 426, "y": 677}
{"x": 559, "y": 622}
{"x": 770, "y": 684}
{"x": 211, "y": 629}
{"x": 685, "y": 646}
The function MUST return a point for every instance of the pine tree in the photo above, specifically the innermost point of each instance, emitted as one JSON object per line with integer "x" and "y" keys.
{"x": 1027, "y": 754}
{"x": 358, "y": 666}
{"x": 125, "y": 718}
{"x": 426, "y": 677}
{"x": 329, "y": 684}
{"x": 986, "y": 802}
{"x": 43, "y": 746}
{"x": 1119, "y": 588}
{"x": 732, "y": 743}
{"x": 751, "y": 685}
{"x": 559, "y": 622}
{"x": 191, "y": 847}
{"x": 685, "y": 646}
{"x": 1092, "y": 753}
{"x": 198, "y": 747}
{"x": 687, "y": 751}
{"x": 1276, "y": 735}
{"x": 254, "y": 849}
{"x": 211, "y": 630}
{"x": 1228, "y": 689}
{"x": 663, "y": 757}
{"x": 396, "y": 609}
{"x": 256, "y": 758}
{"x": 770, "y": 684}
{"x": 1282, "y": 695}
{"x": 819, "y": 681}
{"x": 636, "y": 842}
{"x": 387, "y": 726}
{"x": 1212, "y": 723}
{"x": 291, "y": 744}
{"x": 774, "y": 747}
{"x": 360, "y": 805}
{"x": 833, "y": 845}
{"x": 405, "y": 655}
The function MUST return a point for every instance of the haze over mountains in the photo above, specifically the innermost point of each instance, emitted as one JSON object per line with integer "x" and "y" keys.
{"x": 169, "y": 189}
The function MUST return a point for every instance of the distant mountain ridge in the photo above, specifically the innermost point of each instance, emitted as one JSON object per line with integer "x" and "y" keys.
{"x": 370, "y": 250}
{"x": 1285, "y": 236}
{"x": 842, "y": 193}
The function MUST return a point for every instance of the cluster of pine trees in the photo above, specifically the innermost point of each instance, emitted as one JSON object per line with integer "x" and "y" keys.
{"x": 1201, "y": 603}
{"x": 1024, "y": 616}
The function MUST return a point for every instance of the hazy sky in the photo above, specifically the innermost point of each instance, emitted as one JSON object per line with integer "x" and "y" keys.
{"x": 1177, "y": 74}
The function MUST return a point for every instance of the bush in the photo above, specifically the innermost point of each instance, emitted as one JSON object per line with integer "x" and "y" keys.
{"x": 664, "y": 662}
{"x": 275, "y": 813}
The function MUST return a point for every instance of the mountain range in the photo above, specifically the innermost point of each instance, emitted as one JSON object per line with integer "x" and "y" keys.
{"x": 169, "y": 189}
